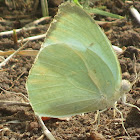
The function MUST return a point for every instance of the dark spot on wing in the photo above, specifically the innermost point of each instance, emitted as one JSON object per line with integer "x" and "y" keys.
{"x": 91, "y": 44}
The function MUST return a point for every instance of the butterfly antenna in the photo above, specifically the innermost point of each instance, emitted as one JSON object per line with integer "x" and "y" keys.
{"x": 122, "y": 118}
{"x": 137, "y": 77}
{"x": 135, "y": 71}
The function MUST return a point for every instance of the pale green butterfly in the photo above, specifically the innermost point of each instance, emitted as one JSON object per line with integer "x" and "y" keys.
{"x": 76, "y": 70}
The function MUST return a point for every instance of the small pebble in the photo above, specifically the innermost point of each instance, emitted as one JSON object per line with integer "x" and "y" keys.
{"x": 138, "y": 102}
{"x": 33, "y": 125}
{"x": 138, "y": 130}
{"x": 97, "y": 136}
{"x": 125, "y": 75}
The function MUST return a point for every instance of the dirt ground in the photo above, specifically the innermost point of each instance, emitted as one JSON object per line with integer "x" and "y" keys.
{"x": 18, "y": 122}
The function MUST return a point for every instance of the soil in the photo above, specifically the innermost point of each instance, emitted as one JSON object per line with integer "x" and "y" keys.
{"x": 19, "y": 122}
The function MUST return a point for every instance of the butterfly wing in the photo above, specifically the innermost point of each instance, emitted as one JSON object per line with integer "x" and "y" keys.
{"x": 76, "y": 70}
{"x": 73, "y": 26}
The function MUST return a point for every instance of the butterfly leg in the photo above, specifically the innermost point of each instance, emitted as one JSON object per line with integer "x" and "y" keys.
{"x": 121, "y": 119}
{"x": 130, "y": 105}
{"x": 97, "y": 117}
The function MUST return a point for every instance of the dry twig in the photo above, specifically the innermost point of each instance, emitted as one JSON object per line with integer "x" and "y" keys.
{"x": 10, "y": 103}
{"x": 22, "y": 52}
{"x": 8, "y": 58}
{"x": 47, "y": 133}
{"x": 135, "y": 13}
{"x": 32, "y": 38}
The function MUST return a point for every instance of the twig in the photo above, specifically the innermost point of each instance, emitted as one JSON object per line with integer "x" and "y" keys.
{"x": 8, "y": 58}
{"x": 22, "y": 52}
{"x": 15, "y": 16}
{"x": 18, "y": 30}
{"x": 8, "y": 22}
{"x": 10, "y": 103}
{"x": 129, "y": 2}
{"x": 47, "y": 133}
{"x": 18, "y": 94}
{"x": 32, "y": 38}
{"x": 135, "y": 13}
{"x": 38, "y": 21}
{"x": 106, "y": 24}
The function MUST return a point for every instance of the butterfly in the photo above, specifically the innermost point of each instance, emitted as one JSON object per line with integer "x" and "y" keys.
{"x": 76, "y": 70}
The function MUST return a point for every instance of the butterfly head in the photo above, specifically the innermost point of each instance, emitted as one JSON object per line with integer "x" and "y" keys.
{"x": 125, "y": 86}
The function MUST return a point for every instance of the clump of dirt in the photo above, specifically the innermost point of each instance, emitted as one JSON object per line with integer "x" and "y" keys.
{"x": 19, "y": 122}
